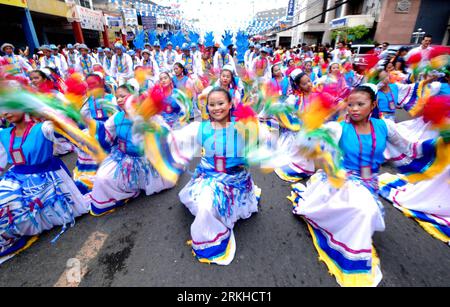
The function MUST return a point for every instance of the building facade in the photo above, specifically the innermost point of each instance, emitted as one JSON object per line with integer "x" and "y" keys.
{"x": 393, "y": 21}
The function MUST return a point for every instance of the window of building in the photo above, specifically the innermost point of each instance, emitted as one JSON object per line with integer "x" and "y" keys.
{"x": 339, "y": 10}
{"x": 85, "y": 3}
{"x": 355, "y": 7}
{"x": 324, "y": 8}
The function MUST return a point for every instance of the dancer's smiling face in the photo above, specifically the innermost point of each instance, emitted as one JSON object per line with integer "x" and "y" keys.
{"x": 219, "y": 106}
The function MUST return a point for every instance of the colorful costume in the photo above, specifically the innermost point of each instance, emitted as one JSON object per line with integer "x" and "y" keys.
{"x": 37, "y": 192}
{"x": 300, "y": 167}
{"x": 125, "y": 172}
{"x": 86, "y": 167}
{"x": 342, "y": 221}
{"x": 220, "y": 192}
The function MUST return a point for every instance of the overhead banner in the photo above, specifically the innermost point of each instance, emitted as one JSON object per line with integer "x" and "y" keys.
{"x": 130, "y": 17}
{"x": 19, "y": 3}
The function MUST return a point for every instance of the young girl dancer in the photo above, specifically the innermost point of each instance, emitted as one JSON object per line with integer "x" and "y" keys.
{"x": 126, "y": 171}
{"x": 343, "y": 220}
{"x": 37, "y": 192}
{"x": 221, "y": 191}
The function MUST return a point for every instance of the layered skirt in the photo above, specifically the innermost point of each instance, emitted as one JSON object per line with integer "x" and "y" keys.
{"x": 298, "y": 169}
{"x": 122, "y": 177}
{"x": 427, "y": 202}
{"x": 218, "y": 200}
{"x": 342, "y": 222}
{"x": 34, "y": 199}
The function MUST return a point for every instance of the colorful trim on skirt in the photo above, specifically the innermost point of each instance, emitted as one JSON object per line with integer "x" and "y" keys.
{"x": 390, "y": 187}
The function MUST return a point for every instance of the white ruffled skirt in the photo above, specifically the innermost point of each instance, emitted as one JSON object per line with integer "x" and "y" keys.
{"x": 218, "y": 200}
{"x": 121, "y": 177}
{"x": 342, "y": 222}
{"x": 427, "y": 202}
{"x": 33, "y": 203}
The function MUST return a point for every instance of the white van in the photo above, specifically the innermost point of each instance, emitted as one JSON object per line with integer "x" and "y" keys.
{"x": 361, "y": 49}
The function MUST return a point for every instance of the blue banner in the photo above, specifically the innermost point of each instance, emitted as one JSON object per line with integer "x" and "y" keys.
{"x": 291, "y": 8}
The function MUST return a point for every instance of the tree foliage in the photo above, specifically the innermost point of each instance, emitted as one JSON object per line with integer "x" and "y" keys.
{"x": 350, "y": 34}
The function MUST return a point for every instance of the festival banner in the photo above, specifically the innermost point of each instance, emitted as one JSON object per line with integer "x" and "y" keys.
{"x": 89, "y": 19}
{"x": 114, "y": 21}
{"x": 130, "y": 17}
{"x": 149, "y": 22}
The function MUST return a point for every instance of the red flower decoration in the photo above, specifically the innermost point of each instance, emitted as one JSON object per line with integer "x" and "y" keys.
{"x": 437, "y": 109}
{"x": 244, "y": 113}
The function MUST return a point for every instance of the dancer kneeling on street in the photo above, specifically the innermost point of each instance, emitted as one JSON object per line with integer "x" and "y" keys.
{"x": 342, "y": 220}
{"x": 126, "y": 171}
{"x": 221, "y": 191}
{"x": 37, "y": 192}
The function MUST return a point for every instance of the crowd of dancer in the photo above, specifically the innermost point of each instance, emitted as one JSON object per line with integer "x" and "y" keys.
{"x": 136, "y": 119}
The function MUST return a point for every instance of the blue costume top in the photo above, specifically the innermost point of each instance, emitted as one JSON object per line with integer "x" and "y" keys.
{"x": 172, "y": 111}
{"x": 313, "y": 76}
{"x": 224, "y": 142}
{"x": 159, "y": 58}
{"x": 388, "y": 101}
{"x": 124, "y": 135}
{"x": 37, "y": 149}
{"x": 349, "y": 77}
{"x": 445, "y": 89}
{"x": 350, "y": 146}
{"x": 180, "y": 84}
{"x": 96, "y": 108}
{"x": 283, "y": 85}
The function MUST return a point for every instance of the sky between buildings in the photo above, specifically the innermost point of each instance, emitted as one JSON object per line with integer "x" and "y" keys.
{"x": 217, "y": 15}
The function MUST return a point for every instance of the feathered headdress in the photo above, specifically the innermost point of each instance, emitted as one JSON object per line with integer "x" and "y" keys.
{"x": 209, "y": 40}
{"x": 152, "y": 37}
{"x": 242, "y": 45}
{"x": 227, "y": 39}
{"x": 194, "y": 37}
{"x": 139, "y": 40}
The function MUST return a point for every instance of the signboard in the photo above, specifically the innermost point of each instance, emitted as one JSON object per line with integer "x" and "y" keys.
{"x": 149, "y": 22}
{"x": 20, "y": 3}
{"x": 88, "y": 19}
{"x": 114, "y": 21}
{"x": 403, "y": 6}
{"x": 339, "y": 22}
{"x": 290, "y": 9}
{"x": 130, "y": 17}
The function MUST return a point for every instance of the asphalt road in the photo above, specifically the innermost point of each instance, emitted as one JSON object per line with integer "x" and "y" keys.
{"x": 144, "y": 244}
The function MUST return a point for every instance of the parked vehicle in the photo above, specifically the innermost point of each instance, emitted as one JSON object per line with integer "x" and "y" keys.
{"x": 359, "y": 55}
{"x": 361, "y": 52}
